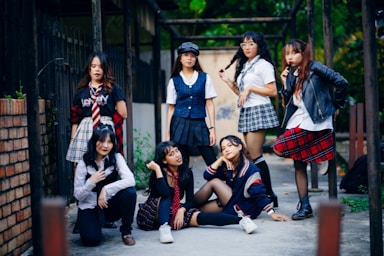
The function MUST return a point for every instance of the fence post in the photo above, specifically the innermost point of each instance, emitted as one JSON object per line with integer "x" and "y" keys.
{"x": 54, "y": 231}
{"x": 356, "y": 133}
{"x": 329, "y": 228}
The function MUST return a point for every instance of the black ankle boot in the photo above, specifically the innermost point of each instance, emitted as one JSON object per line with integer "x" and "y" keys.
{"x": 305, "y": 210}
{"x": 273, "y": 199}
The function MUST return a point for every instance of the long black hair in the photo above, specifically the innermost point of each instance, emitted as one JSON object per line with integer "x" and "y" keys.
{"x": 162, "y": 149}
{"x": 100, "y": 134}
{"x": 262, "y": 50}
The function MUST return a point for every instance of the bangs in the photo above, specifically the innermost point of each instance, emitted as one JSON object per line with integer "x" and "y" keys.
{"x": 293, "y": 47}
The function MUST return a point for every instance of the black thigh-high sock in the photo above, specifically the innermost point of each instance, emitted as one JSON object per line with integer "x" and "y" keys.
{"x": 264, "y": 173}
{"x": 217, "y": 218}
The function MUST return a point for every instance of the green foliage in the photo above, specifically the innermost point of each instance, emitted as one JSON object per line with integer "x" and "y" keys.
{"x": 20, "y": 94}
{"x": 357, "y": 204}
{"x": 361, "y": 203}
{"x": 197, "y": 6}
{"x": 142, "y": 152}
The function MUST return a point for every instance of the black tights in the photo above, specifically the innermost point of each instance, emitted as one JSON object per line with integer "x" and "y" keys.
{"x": 301, "y": 178}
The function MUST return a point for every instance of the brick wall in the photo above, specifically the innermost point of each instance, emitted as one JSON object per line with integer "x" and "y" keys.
{"x": 15, "y": 201}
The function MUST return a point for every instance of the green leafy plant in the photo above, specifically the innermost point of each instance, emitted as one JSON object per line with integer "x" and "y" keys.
{"x": 360, "y": 203}
{"x": 357, "y": 204}
{"x": 142, "y": 152}
{"x": 20, "y": 94}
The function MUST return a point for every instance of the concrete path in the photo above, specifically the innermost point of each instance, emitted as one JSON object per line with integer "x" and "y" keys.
{"x": 271, "y": 238}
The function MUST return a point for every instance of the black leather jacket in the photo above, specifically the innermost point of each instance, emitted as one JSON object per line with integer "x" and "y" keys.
{"x": 317, "y": 92}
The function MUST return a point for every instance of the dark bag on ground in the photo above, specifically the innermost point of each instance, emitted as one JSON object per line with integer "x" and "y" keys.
{"x": 357, "y": 176}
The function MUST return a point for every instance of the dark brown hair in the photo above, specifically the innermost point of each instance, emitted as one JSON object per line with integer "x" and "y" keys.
{"x": 298, "y": 46}
{"x": 108, "y": 78}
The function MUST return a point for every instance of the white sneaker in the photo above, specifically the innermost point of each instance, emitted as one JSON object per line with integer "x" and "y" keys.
{"x": 165, "y": 234}
{"x": 247, "y": 224}
{"x": 321, "y": 167}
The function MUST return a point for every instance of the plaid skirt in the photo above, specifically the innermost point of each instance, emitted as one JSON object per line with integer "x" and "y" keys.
{"x": 83, "y": 134}
{"x": 189, "y": 132}
{"x": 256, "y": 118}
{"x": 306, "y": 146}
{"x": 147, "y": 215}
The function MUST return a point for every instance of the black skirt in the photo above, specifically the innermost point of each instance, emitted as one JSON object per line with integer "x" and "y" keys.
{"x": 189, "y": 132}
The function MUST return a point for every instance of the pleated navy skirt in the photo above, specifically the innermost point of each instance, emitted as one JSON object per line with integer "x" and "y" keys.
{"x": 189, "y": 132}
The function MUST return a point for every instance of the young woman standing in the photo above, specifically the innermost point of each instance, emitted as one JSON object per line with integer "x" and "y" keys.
{"x": 309, "y": 108}
{"x": 254, "y": 83}
{"x": 190, "y": 95}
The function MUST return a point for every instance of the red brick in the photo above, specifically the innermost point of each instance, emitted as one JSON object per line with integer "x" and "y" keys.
{"x": 12, "y": 244}
{"x": 3, "y": 224}
{"x": 24, "y": 178}
{"x": 5, "y": 185}
{"x": 24, "y": 203}
{"x": 27, "y": 190}
{"x": 8, "y": 235}
{"x": 11, "y": 220}
{"x": 1, "y": 240}
{"x": 6, "y": 210}
{"x": 17, "y": 144}
{"x": 12, "y": 133}
{"x": 19, "y": 216}
{"x": 22, "y": 155}
{"x": 4, "y": 134}
{"x": 19, "y": 192}
{"x": 26, "y": 165}
{"x": 28, "y": 234}
{"x": 19, "y": 168}
{"x": 27, "y": 212}
{"x": 15, "y": 181}
{"x": 3, "y": 146}
{"x": 10, "y": 170}
{"x": 2, "y": 173}
{"x": 12, "y": 157}
{"x": 20, "y": 107}
{"x": 16, "y": 229}
{"x": 10, "y": 195}
{"x": 4, "y": 249}
{"x": 15, "y": 206}
{"x": 23, "y": 132}
{"x": 24, "y": 142}
{"x": 3, "y": 121}
{"x": 24, "y": 225}
{"x": 24, "y": 120}
{"x": 17, "y": 120}
{"x": 4, "y": 159}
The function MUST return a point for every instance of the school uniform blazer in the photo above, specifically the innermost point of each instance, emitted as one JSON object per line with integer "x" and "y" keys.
{"x": 248, "y": 190}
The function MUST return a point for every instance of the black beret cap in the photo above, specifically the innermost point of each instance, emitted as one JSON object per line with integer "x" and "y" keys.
{"x": 188, "y": 47}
